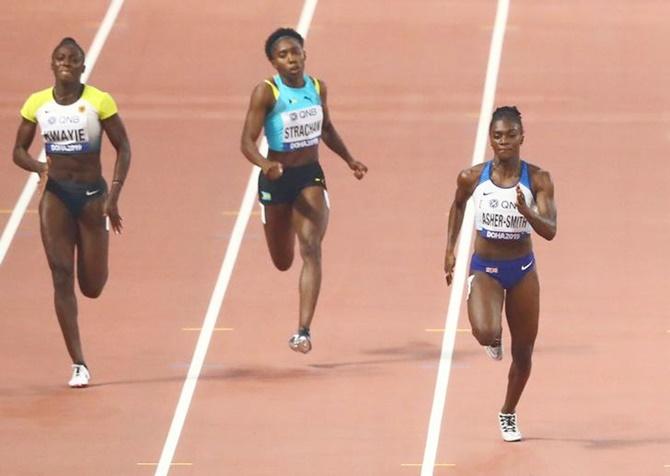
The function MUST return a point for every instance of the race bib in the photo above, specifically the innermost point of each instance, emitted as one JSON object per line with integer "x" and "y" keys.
{"x": 302, "y": 127}
{"x": 65, "y": 133}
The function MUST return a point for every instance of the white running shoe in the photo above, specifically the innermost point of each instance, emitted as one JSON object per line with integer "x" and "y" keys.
{"x": 80, "y": 376}
{"x": 495, "y": 351}
{"x": 508, "y": 427}
{"x": 300, "y": 342}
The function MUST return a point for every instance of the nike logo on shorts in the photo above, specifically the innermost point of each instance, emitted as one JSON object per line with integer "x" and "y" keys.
{"x": 89, "y": 193}
{"x": 524, "y": 268}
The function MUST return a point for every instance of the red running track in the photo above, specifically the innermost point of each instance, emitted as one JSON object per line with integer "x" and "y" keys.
{"x": 405, "y": 84}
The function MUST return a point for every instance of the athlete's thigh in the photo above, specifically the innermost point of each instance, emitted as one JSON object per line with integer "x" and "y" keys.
{"x": 59, "y": 232}
{"x": 311, "y": 213}
{"x": 522, "y": 307}
{"x": 279, "y": 232}
{"x": 485, "y": 301}
{"x": 92, "y": 245}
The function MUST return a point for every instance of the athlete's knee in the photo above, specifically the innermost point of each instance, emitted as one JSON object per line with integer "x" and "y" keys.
{"x": 92, "y": 293}
{"x": 310, "y": 248}
{"x": 62, "y": 275}
{"x": 486, "y": 335}
{"x": 93, "y": 290}
{"x": 282, "y": 261}
{"x": 282, "y": 264}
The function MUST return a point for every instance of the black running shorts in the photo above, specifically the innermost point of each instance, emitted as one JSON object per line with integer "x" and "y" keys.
{"x": 287, "y": 187}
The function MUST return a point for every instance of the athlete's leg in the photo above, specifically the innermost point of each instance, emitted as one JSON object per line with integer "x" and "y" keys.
{"x": 485, "y": 302}
{"x": 310, "y": 220}
{"x": 279, "y": 234}
{"x": 92, "y": 249}
{"x": 522, "y": 308}
{"x": 59, "y": 235}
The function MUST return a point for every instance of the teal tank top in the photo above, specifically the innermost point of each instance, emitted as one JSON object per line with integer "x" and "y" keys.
{"x": 296, "y": 118}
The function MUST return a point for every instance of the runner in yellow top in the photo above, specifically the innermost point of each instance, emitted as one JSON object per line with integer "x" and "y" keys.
{"x": 76, "y": 207}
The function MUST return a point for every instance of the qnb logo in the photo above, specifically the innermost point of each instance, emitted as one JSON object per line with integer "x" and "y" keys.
{"x": 303, "y": 113}
{"x": 493, "y": 203}
{"x": 69, "y": 120}
{"x": 64, "y": 120}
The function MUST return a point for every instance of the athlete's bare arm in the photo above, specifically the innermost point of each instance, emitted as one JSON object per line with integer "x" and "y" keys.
{"x": 333, "y": 140}
{"x": 465, "y": 186}
{"x": 543, "y": 220}
{"x": 262, "y": 100}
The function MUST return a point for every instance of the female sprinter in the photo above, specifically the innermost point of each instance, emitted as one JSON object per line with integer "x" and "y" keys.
{"x": 75, "y": 208}
{"x": 293, "y": 109}
{"x": 511, "y": 198}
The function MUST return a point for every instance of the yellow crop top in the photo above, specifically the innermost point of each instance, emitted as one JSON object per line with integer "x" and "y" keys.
{"x": 72, "y": 129}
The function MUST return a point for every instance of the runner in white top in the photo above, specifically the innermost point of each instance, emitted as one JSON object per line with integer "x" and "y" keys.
{"x": 75, "y": 202}
{"x": 511, "y": 198}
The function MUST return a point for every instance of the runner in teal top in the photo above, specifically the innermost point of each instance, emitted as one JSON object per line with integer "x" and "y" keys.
{"x": 295, "y": 120}
{"x": 292, "y": 107}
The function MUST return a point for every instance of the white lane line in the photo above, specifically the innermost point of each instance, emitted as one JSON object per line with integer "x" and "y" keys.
{"x": 219, "y": 292}
{"x": 31, "y": 184}
{"x": 453, "y": 311}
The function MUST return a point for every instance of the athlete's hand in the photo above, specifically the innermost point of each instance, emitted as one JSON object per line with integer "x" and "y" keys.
{"x": 359, "y": 169}
{"x": 449, "y": 263}
{"x": 273, "y": 171}
{"x": 111, "y": 213}
{"x": 44, "y": 176}
{"x": 521, "y": 204}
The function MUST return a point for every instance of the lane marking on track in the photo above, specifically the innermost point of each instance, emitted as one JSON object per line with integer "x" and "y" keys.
{"x": 31, "y": 184}
{"x": 7, "y": 211}
{"x": 216, "y": 329}
{"x": 171, "y": 464}
{"x": 216, "y": 301}
{"x": 444, "y": 330}
{"x": 458, "y": 285}
{"x": 437, "y": 465}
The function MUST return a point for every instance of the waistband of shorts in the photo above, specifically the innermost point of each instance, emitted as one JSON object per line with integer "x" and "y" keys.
{"x": 76, "y": 187}
{"x": 299, "y": 168}
{"x": 502, "y": 262}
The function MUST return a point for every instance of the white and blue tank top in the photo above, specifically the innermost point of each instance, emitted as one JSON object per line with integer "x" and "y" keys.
{"x": 296, "y": 118}
{"x": 496, "y": 215}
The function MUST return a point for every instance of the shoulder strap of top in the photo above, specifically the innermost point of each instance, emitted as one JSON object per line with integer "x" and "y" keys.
{"x": 317, "y": 85}
{"x": 273, "y": 86}
{"x": 485, "y": 173}
{"x": 525, "y": 176}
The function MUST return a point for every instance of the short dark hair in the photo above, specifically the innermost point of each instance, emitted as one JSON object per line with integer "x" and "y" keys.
{"x": 277, "y": 35}
{"x": 70, "y": 42}
{"x": 507, "y": 112}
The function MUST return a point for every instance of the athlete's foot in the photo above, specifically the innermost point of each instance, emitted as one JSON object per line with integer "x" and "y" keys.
{"x": 509, "y": 428}
{"x": 495, "y": 351}
{"x": 301, "y": 342}
{"x": 80, "y": 376}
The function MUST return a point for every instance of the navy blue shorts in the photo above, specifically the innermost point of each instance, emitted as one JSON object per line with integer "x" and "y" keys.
{"x": 76, "y": 195}
{"x": 287, "y": 187}
{"x": 507, "y": 272}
